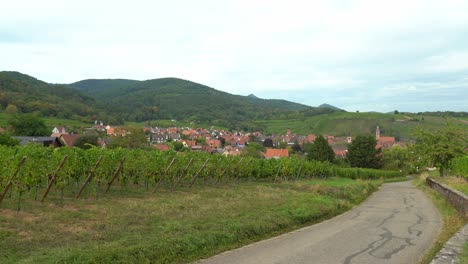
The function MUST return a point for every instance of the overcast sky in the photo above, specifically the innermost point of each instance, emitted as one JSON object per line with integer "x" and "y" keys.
{"x": 358, "y": 55}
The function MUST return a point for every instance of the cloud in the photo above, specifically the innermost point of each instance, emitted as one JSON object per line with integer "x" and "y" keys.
{"x": 364, "y": 54}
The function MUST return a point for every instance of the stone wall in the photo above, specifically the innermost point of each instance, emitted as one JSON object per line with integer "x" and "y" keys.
{"x": 456, "y": 198}
{"x": 453, "y": 248}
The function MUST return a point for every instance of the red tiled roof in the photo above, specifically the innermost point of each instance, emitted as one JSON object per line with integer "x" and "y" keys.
{"x": 214, "y": 143}
{"x": 341, "y": 152}
{"x": 161, "y": 147}
{"x": 270, "y": 153}
{"x": 68, "y": 140}
{"x": 190, "y": 143}
{"x": 111, "y": 131}
{"x": 387, "y": 140}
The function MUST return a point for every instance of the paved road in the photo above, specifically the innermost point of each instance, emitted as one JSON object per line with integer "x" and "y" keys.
{"x": 395, "y": 225}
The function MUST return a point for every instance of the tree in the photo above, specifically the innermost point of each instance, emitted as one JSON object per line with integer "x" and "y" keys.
{"x": 7, "y": 140}
{"x": 252, "y": 138}
{"x": 133, "y": 138}
{"x": 362, "y": 152}
{"x": 268, "y": 143}
{"x": 296, "y": 148}
{"x": 282, "y": 145}
{"x": 320, "y": 150}
{"x": 86, "y": 141}
{"x": 177, "y": 146}
{"x": 28, "y": 125}
{"x": 223, "y": 141}
{"x": 438, "y": 148}
{"x": 397, "y": 158}
{"x": 253, "y": 150}
{"x": 11, "y": 109}
{"x": 201, "y": 141}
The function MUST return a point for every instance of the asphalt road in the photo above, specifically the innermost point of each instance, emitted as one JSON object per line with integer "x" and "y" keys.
{"x": 397, "y": 224}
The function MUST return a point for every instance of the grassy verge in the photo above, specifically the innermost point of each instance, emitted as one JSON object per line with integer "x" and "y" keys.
{"x": 457, "y": 183}
{"x": 452, "y": 220}
{"x": 169, "y": 226}
{"x": 463, "y": 258}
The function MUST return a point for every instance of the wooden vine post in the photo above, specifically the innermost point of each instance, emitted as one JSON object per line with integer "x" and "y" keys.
{"x": 198, "y": 172}
{"x": 278, "y": 171}
{"x": 91, "y": 174}
{"x": 52, "y": 180}
{"x": 247, "y": 164}
{"x": 10, "y": 181}
{"x": 114, "y": 176}
{"x": 299, "y": 171}
{"x": 224, "y": 171}
{"x": 212, "y": 170}
{"x": 183, "y": 174}
{"x": 162, "y": 176}
{"x": 237, "y": 166}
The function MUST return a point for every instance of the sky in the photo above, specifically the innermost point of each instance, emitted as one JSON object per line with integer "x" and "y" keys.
{"x": 364, "y": 55}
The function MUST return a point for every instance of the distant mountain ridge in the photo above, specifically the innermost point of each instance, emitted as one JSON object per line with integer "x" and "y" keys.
{"x": 118, "y": 100}
{"x": 330, "y": 107}
{"x": 173, "y": 98}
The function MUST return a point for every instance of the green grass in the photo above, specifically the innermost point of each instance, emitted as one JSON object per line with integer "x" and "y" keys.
{"x": 168, "y": 226}
{"x": 457, "y": 183}
{"x": 463, "y": 258}
{"x": 452, "y": 220}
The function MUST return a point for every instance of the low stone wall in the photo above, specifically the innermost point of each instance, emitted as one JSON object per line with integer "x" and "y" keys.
{"x": 452, "y": 249}
{"x": 458, "y": 199}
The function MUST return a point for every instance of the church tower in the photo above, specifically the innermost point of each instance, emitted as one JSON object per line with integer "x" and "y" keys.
{"x": 377, "y": 133}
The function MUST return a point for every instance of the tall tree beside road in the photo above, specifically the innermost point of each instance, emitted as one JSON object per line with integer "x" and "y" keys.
{"x": 362, "y": 152}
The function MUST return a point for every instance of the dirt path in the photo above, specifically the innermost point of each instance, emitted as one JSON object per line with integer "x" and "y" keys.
{"x": 397, "y": 224}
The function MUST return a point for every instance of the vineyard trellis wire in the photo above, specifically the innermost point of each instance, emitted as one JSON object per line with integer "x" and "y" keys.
{"x": 70, "y": 168}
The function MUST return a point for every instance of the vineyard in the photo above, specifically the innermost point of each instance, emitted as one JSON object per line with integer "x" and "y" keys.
{"x": 72, "y": 172}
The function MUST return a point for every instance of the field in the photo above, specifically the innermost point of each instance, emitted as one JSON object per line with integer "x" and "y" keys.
{"x": 133, "y": 226}
{"x": 352, "y": 124}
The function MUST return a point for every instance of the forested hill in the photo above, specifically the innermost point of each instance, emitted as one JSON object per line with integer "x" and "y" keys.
{"x": 172, "y": 98}
{"x": 20, "y": 93}
{"x": 117, "y": 100}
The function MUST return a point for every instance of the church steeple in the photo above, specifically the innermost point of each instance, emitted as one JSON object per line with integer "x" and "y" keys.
{"x": 377, "y": 133}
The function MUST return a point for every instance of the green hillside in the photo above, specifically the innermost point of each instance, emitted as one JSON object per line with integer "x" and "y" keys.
{"x": 352, "y": 124}
{"x": 20, "y": 93}
{"x": 172, "y": 98}
{"x": 102, "y": 88}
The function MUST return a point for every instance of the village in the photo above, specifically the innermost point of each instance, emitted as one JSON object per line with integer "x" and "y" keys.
{"x": 225, "y": 142}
